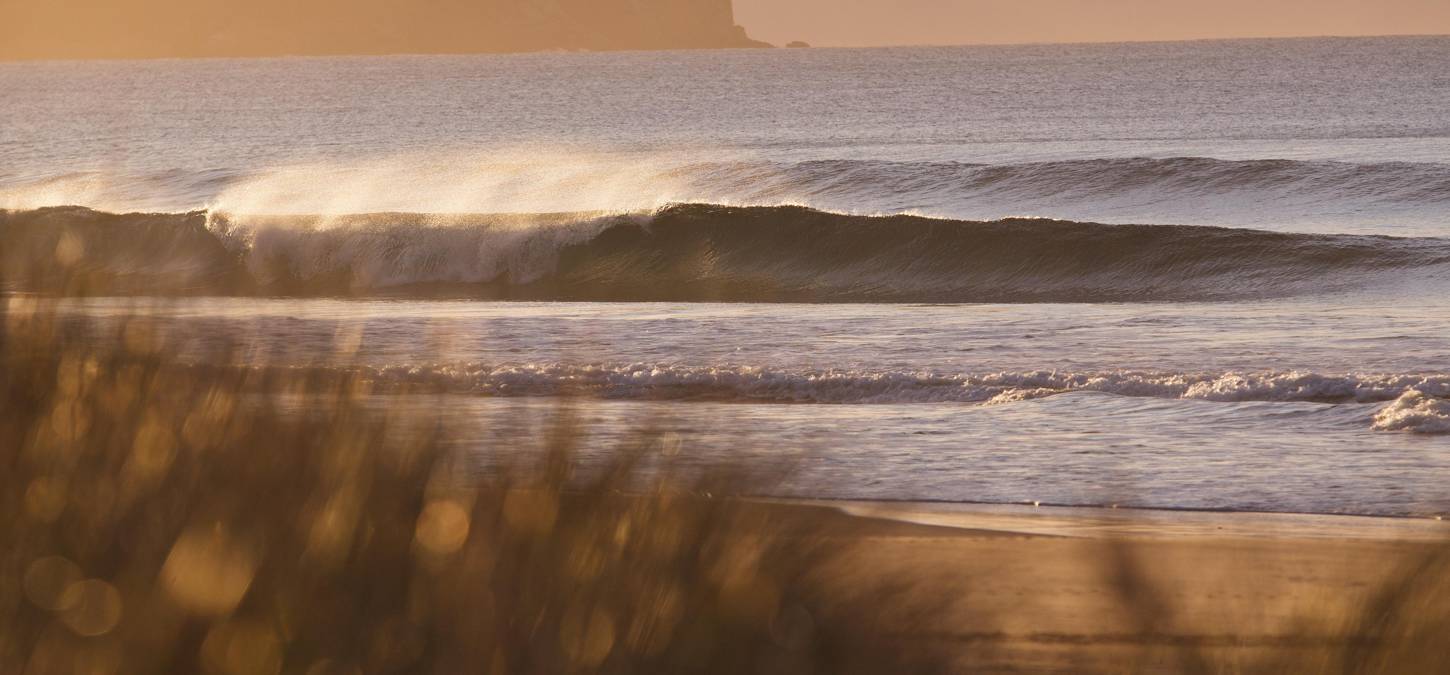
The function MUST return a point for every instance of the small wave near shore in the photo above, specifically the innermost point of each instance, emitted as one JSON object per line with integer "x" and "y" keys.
{"x": 1410, "y": 402}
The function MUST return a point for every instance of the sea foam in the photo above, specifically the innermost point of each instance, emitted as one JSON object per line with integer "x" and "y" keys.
{"x": 1416, "y": 411}
{"x": 1416, "y": 402}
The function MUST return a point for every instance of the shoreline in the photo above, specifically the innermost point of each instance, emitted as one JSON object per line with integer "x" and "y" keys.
{"x": 1111, "y": 521}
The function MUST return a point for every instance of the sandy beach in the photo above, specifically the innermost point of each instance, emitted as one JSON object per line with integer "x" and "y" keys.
{"x": 1062, "y": 590}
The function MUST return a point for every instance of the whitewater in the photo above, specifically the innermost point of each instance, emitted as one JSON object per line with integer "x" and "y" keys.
{"x": 1181, "y": 275}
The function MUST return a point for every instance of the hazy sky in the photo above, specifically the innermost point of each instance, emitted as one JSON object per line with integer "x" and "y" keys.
{"x": 896, "y": 22}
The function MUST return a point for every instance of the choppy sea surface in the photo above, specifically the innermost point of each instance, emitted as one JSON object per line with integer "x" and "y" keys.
{"x": 1185, "y": 275}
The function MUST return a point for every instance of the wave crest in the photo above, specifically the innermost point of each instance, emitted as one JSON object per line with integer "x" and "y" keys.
{"x": 1416, "y": 411}
{"x": 1403, "y": 197}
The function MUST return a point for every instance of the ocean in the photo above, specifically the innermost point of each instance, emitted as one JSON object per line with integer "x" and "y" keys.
{"x": 1205, "y": 275}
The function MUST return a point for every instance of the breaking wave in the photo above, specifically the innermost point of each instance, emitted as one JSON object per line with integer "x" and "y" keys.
{"x": 747, "y": 383}
{"x": 1415, "y": 411}
{"x": 690, "y": 252}
{"x": 1298, "y": 195}
{"x": 1417, "y": 403}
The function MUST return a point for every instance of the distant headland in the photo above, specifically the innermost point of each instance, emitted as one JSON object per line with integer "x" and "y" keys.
{"x": 122, "y": 29}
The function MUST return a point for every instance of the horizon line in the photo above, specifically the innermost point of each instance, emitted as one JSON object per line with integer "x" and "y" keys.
{"x": 771, "y": 48}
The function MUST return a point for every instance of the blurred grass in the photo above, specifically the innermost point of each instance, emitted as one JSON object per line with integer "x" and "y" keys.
{"x": 157, "y": 517}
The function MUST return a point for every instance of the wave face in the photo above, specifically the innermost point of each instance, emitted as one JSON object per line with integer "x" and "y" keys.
{"x": 1273, "y": 193}
{"x": 693, "y": 252}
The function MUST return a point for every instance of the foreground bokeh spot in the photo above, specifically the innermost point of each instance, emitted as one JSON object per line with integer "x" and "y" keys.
{"x": 242, "y": 648}
{"x": 92, "y": 607}
{"x": 46, "y": 582}
{"x": 207, "y": 571}
{"x": 442, "y": 528}
{"x": 587, "y": 635}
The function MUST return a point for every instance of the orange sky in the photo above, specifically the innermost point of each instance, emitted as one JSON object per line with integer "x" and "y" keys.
{"x": 897, "y": 22}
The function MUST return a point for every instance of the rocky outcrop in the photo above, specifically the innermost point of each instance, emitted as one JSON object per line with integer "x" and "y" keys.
{"x": 39, "y": 29}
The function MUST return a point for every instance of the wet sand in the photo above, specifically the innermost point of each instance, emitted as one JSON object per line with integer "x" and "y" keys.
{"x": 1053, "y": 590}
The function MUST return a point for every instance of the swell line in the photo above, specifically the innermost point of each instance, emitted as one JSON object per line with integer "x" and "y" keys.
{"x": 689, "y": 253}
